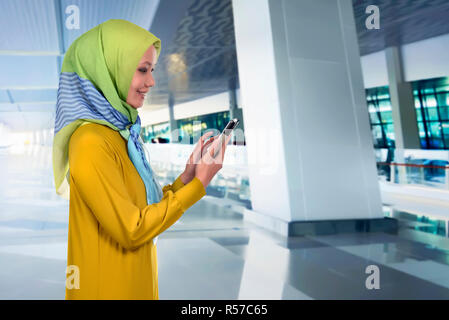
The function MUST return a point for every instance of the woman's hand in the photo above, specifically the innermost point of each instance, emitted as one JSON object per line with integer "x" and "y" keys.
{"x": 198, "y": 152}
{"x": 208, "y": 166}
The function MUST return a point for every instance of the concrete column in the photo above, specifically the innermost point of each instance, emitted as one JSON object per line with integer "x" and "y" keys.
{"x": 308, "y": 136}
{"x": 235, "y": 112}
{"x": 232, "y": 103}
{"x": 173, "y": 123}
{"x": 402, "y": 103}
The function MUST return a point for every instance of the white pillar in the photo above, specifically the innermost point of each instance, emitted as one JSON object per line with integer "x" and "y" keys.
{"x": 301, "y": 82}
{"x": 173, "y": 123}
{"x": 402, "y": 103}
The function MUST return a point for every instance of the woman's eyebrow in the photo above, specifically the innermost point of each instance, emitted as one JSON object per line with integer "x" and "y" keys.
{"x": 149, "y": 63}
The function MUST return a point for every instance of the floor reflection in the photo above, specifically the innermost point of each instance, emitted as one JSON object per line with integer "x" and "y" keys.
{"x": 211, "y": 252}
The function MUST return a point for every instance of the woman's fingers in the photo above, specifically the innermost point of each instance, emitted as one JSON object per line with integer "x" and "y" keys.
{"x": 204, "y": 136}
{"x": 223, "y": 149}
{"x": 206, "y": 145}
{"x": 200, "y": 145}
{"x": 221, "y": 145}
{"x": 191, "y": 158}
{"x": 211, "y": 140}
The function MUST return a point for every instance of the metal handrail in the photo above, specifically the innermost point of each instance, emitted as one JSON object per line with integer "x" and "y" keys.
{"x": 412, "y": 165}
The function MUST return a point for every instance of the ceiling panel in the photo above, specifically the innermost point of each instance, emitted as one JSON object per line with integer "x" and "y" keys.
{"x": 37, "y": 107}
{"x": 4, "y": 96}
{"x": 201, "y": 59}
{"x": 32, "y": 33}
{"x": 28, "y": 25}
{"x": 28, "y": 71}
{"x": 27, "y": 95}
{"x": 401, "y": 22}
{"x": 198, "y": 57}
{"x": 92, "y": 13}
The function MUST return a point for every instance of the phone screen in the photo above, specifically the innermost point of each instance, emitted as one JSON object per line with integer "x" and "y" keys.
{"x": 226, "y": 132}
{"x": 230, "y": 126}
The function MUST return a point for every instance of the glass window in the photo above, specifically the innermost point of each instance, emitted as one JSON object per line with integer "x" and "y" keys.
{"x": 419, "y": 115}
{"x": 442, "y": 88}
{"x": 378, "y": 100}
{"x": 390, "y": 134}
{"x": 444, "y": 112}
{"x": 431, "y": 114}
{"x": 446, "y": 140}
{"x": 417, "y": 102}
{"x": 208, "y": 121}
{"x": 435, "y": 129}
{"x": 445, "y": 126}
{"x": 430, "y": 101}
{"x": 422, "y": 132}
{"x": 434, "y": 98}
{"x": 374, "y": 118}
{"x": 384, "y": 105}
{"x": 161, "y": 130}
{"x": 387, "y": 117}
{"x": 436, "y": 143}
{"x": 156, "y": 130}
{"x": 443, "y": 99}
{"x": 377, "y": 136}
{"x": 424, "y": 144}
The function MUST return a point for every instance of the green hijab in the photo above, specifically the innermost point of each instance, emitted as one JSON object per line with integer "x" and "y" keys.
{"x": 106, "y": 55}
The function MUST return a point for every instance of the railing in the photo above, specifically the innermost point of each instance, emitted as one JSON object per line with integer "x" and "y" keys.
{"x": 231, "y": 182}
{"x": 418, "y": 167}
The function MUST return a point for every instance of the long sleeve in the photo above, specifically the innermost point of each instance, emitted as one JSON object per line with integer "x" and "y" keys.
{"x": 175, "y": 186}
{"x": 96, "y": 173}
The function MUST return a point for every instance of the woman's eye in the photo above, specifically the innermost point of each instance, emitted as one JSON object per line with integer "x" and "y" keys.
{"x": 145, "y": 70}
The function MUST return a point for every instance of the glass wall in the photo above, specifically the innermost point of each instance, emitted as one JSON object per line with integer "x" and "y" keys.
{"x": 161, "y": 130}
{"x": 379, "y": 107}
{"x": 432, "y": 104}
{"x": 432, "y": 113}
{"x": 193, "y": 127}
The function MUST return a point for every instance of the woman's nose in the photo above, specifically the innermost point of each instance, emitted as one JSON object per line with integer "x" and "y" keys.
{"x": 150, "y": 82}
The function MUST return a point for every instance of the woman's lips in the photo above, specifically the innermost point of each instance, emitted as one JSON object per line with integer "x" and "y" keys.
{"x": 142, "y": 95}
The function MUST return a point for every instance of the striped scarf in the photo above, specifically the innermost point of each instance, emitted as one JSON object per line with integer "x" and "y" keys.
{"x": 96, "y": 74}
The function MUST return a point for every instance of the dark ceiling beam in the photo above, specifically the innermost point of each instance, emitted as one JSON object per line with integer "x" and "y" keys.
{"x": 8, "y": 93}
{"x": 59, "y": 26}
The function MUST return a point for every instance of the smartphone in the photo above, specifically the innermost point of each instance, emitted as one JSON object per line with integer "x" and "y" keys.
{"x": 232, "y": 124}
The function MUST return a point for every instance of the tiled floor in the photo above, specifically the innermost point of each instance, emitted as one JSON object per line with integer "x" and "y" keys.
{"x": 211, "y": 253}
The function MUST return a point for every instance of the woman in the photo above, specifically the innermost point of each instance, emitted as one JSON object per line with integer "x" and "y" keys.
{"x": 117, "y": 208}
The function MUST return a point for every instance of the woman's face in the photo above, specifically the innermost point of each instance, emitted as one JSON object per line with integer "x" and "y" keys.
{"x": 142, "y": 79}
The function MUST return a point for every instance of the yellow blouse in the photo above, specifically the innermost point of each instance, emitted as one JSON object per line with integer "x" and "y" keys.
{"x": 111, "y": 254}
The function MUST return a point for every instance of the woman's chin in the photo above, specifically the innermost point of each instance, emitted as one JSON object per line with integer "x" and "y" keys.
{"x": 137, "y": 105}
